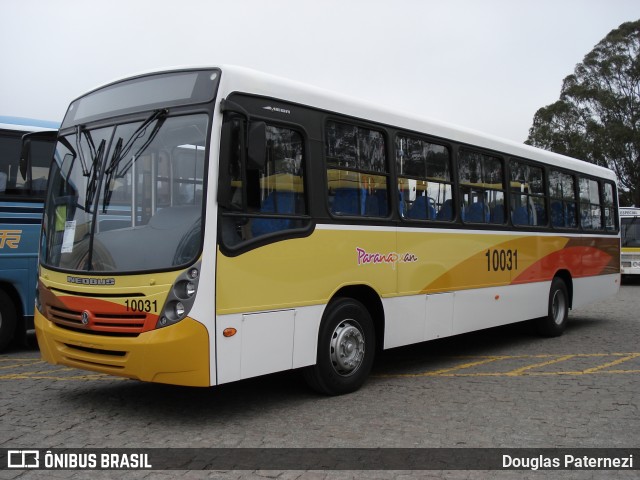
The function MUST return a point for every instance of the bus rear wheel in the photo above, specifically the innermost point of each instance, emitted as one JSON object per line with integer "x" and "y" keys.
{"x": 346, "y": 347}
{"x": 555, "y": 322}
{"x": 7, "y": 320}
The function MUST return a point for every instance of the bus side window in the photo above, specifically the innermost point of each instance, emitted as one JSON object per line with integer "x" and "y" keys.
{"x": 590, "y": 213}
{"x": 563, "y": 199}
{"x": 528, "y": 205}
{"x": 482, "y": 187}
{"x": 609, "y": 207}
{"x": 424, "y": 179}
{"x": 10, "y": 179}
{"x": 262, "y": 199}
{"x": 357, "y": 172}
{"x": 280, "y": 183}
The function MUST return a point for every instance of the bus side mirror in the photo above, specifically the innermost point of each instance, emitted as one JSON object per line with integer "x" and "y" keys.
{"x": 257, "y": 151}
{"x": 48, "y": 136}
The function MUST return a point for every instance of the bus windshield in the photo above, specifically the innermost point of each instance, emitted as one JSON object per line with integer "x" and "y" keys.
{"x": 630, "y": 236}
{"x": 116, "y": 190}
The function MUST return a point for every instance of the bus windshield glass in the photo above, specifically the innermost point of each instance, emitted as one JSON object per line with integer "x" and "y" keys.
{"x": 117, "y": 190}
{"x": 630, "y": 236}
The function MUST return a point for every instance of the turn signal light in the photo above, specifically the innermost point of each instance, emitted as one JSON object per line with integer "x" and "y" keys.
{"x": 229, "y": 332}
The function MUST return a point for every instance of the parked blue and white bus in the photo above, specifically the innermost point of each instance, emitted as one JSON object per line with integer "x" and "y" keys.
{"x": 22, "y": 190}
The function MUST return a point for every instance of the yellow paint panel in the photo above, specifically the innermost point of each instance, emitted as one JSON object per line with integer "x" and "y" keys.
{"x": 139, "y": 282}
{"x": 494, "y": 260}
{"x": 304, "y": 271}
{"x": 308, "y": 271}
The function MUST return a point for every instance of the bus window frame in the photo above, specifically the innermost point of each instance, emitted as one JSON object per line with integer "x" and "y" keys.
{"x": 389, "y": 172}
{"x": 501, "y": 157}
{"x": 615, "y": 206}
{"x": 273, "y": 237}
{"x": 576, "y": 200}
{"x": 452, "y": 182}
{"x": 546, "y": 193}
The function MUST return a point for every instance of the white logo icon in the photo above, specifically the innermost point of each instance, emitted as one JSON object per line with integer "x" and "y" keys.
{"x": 23, "y": 459}
{"x": 276, "y": 109}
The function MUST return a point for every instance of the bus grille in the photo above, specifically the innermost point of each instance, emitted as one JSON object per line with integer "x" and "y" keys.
{"x": 99, "y": 323}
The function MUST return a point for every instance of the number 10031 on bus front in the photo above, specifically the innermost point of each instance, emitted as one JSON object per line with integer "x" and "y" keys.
{"x": 141, "y": 305}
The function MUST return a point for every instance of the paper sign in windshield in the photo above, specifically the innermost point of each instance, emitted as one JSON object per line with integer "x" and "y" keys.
{"x": 68, "y": 237}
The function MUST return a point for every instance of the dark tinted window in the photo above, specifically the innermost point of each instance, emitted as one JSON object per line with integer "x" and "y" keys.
{"x": 357, "y": 174}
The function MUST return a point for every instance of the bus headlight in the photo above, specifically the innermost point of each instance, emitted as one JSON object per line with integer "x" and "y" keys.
{"x": 185, "y": 289}
{"x": 181, "y": 297}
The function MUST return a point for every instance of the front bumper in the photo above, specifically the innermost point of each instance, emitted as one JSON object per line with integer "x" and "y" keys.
{"x": 177, "y": 355}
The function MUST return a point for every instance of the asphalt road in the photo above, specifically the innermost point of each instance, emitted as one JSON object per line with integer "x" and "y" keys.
{"x": 500, "y": 388}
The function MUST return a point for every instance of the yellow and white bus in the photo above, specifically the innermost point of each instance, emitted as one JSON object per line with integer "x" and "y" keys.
{"x": 208, "y": 225}
{"x": 630, "y": 241}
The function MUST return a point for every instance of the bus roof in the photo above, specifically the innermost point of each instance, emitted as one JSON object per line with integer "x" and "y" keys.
{"x": 27, "y": 124}
{"x": 241, "y": 79}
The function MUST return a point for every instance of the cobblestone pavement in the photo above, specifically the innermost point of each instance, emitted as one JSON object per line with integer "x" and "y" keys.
{"x": 499, "y": 388}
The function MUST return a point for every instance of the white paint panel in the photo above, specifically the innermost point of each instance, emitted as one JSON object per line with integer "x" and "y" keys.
{"x": 493, "y": 306}
{"x": 305, "y": 343}
{"x": 591, "y": 289}
{"x": 453, "y": 313}
{"x": 267, "y": 342}
{"x": 439, "y": 321}
{"x": 416, "y": 318}
{"x": 228, "y": 351}
{"x": 405, "y": 320}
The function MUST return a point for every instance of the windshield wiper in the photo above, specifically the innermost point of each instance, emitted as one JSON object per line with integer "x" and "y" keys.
{"x": 120, "y": 152}
{"x": 96, "y": 160}
{"x": 83, "y": 163}
{"x": 93, "y": 176}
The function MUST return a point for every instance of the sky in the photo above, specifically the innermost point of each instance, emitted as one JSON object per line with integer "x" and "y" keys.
{"x": 488, "y": 65}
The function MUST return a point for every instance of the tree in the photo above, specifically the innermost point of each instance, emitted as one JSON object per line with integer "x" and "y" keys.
{"x": 597, "y": 117}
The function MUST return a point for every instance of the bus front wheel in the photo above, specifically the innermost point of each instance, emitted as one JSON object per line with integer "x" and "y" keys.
{"x": 346, "y": 347}
{"x": 556, "y": 320}
{"x": 7, "y": 320}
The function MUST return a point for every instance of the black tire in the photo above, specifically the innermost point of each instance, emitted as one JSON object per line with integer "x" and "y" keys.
{"x": 555, "y": 322}
{"x": 346, "y": 347}
{"x": 8, "y": 320}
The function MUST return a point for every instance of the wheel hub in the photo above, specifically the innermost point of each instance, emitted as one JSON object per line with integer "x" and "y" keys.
{"x": 347, "y": 347}
{"x": 558, "y": 307}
